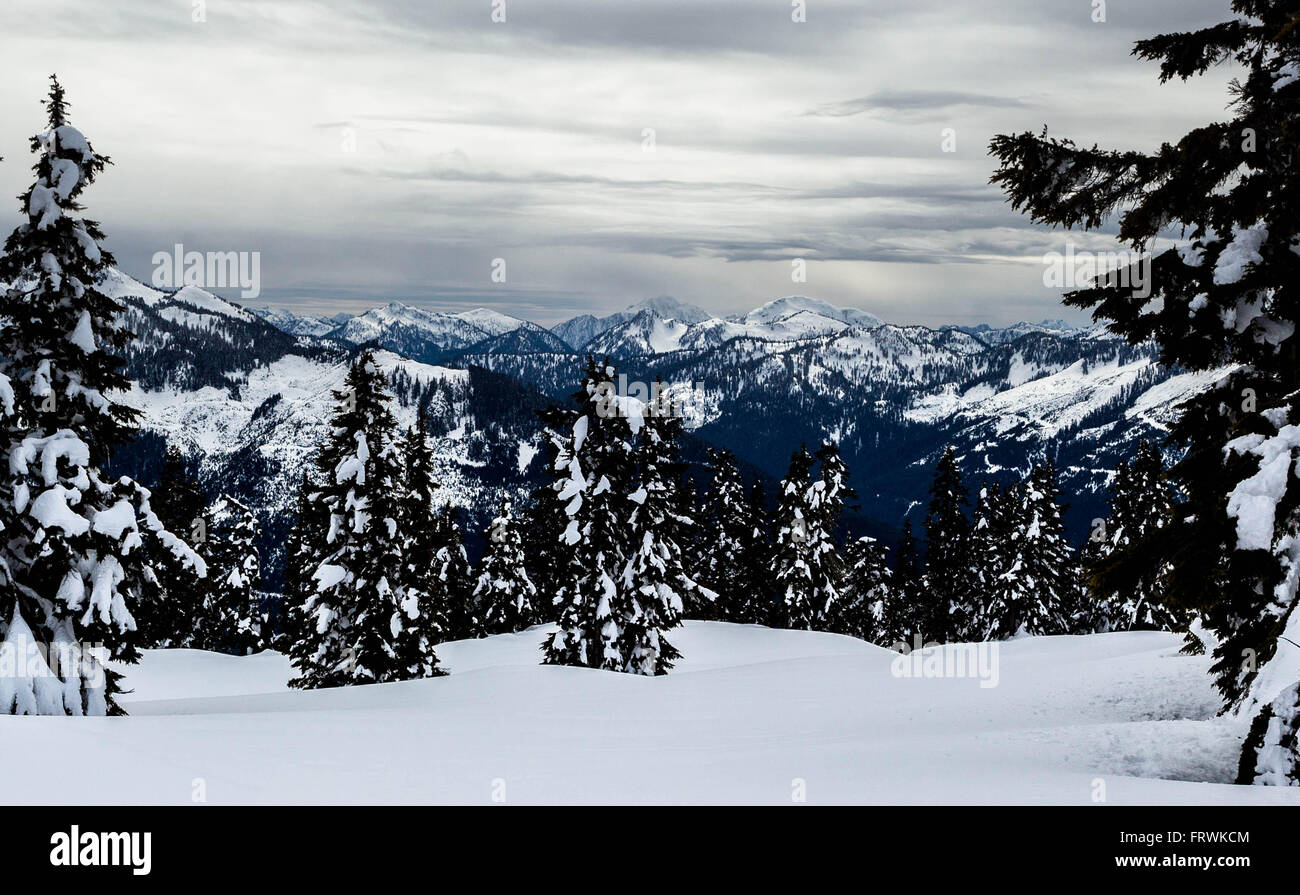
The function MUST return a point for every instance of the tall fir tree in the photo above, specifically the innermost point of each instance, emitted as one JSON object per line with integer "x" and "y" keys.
{"x": 907, "y": 612}
{"x": 426, "y": 604}
{"x": 503, "y": 593}
{"x": 868, "y": 607}
{"x": 991, "y": 551}
{"x": 612, "y": 471}
{"x": 947, "y": 609}
{"x": 831, "y": 492}
{"x": 73, "y": 562}
{"x": 455, "y": 581}
{"x": 307, "y": 536}
{"x": 728, "y": 527}
{"x": 671, "y": 511}
{"x": 655, "y": 588}
{"x": 590, "y": 477}
{"x": 179, "y": 503}
{"x": 1087, "y": 618}
{"x": 807, "y": 569}
{"x": 350, "y": 625}
{"x": 1129, "y": 588}
{"x": 229, "y": 619}
{"x": 545, "y": 556}
{"x": 1225, "y": 299}
{"x": 686, "y": 526}
{"x": 1037, "y": 583}
{"x": 756, "y": 601}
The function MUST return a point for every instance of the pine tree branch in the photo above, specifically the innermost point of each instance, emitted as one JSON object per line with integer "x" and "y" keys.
{"x": 1189, "y": 53}
{"x": 1058, "y": 183}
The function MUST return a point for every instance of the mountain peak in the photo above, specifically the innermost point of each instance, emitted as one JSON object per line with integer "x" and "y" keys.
{"x": 494, "y": 323}
{"x": 789, "y": 305}
{"x": 671, "y": 309}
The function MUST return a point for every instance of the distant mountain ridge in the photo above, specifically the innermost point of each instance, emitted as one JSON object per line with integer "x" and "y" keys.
{"x": 653, "y": 326}
{"x": 245, "y": 392}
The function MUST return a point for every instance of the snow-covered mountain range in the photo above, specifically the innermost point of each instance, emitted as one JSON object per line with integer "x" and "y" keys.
{"x": 247, "y": 393}
{"x": 654, "y": 326}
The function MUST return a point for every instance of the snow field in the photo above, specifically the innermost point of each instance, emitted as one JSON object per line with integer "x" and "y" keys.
{"x": 749, "y": 715}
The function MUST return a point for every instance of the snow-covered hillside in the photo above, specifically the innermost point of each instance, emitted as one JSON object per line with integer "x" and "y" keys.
{"x": 281, "y": 412}
{"x": 750, "y": 715}
{"x": 250, "y": 404}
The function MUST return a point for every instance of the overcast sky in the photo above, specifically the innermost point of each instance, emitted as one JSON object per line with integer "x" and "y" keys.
{"x": 392, "y": 149}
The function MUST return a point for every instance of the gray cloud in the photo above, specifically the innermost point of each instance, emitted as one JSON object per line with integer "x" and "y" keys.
{"x": 379, "y": 149}
{"x": 911, "y": 102}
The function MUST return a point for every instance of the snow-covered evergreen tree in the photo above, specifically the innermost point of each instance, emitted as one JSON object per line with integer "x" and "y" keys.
{"x": 306, "y": 536}
{"x": 789, "y": 569}
{"x": 605, "y": 619}
{"x": 756, "y": 601}
{"x": 867, "y": 609}
{"x": 503, "y": 593}
{"x": 179, "y": 503}
{"x": 728, "y": 526}
{"x": 1087, "y": 619}
{"x": 545, "y": 555}
{"x": 455, "y": 578}
{"x": 1129, "y": 587}
{"x": 807, "y": 569}
{"x": 673, "y": 509}
{"x": 948, "y": 597}
{"x": 229, "y": 619}
{"x": 1038, "y": 580}
{"x": 1225, "y": 299}
{"x": 655, "y": 587}
{"x": 425, "y": 600}
{"x": 830, "y": 493}
{"x": 686, "y": 527}
{"x": 905, "y": 613}
{"x": 73, "y": 560}
{"x": 991, "y": 552}
{"x": 350, "y": 627}
{"x": 591, "y": 447}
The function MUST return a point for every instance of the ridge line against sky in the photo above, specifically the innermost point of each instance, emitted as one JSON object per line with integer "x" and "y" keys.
{"x": 607, "y": 153}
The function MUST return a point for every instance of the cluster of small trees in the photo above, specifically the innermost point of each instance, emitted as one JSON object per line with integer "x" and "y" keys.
{"x": 1001, "y": 570}
{"x": 1126, "y": 573}
{"x": 376, "y": 570}
{"x": 1008, "y": 571}
{"x": 624, "y": 549}
{"x": 221, "y": 611}
{"x": 610, "y": 529}
{"x": 1011, "y": 571}
{"x": 787, "y": 568}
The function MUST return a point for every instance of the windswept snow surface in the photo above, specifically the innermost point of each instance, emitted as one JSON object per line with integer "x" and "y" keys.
{"x": 748, "y": 713}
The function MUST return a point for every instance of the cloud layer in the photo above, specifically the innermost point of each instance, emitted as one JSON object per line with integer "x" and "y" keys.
{"x": 607, "y": 151}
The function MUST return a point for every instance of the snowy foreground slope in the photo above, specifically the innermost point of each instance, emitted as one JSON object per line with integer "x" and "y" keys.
{"x": 747, "y": 713}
